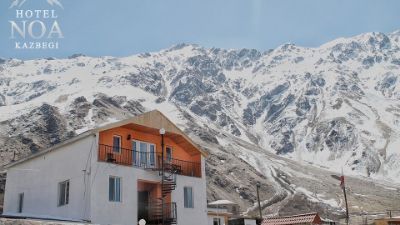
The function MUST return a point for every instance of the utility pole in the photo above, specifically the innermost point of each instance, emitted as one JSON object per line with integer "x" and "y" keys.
{"x": 258, "y": 199}
{"x": 345, "y": 200}
{"x": 162, "y": 132}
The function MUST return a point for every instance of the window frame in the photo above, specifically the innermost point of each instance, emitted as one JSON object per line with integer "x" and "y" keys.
{"x": 65, "y": 200}
{"x": 137, "y": 157}
{"x": 169, "y": 159}
{"x": 120, "y": 144}
{"x": 186, "y": 203}
{"x": 113, "y": 197}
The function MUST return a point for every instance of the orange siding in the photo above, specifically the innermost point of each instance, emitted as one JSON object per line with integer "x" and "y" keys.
{"x": 154, "y": 189}
{"x": 106, "y": 138}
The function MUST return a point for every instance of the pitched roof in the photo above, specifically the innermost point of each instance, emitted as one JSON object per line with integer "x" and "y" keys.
{"x": 296, "y": 219}
{"x": 222, "y": 202}
{"x": 155, "y": 120}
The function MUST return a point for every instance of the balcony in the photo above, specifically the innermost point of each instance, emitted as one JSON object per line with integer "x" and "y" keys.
{"x": 148, "y": 160}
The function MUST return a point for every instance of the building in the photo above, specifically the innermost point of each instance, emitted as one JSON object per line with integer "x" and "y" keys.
{"x": 218, "y": 216}
{"x": 225, "y": 212}
{"x": 388, "y": 221}
{"x": 115, "y": 174}
{"x": 302, "y": 219}
{"x": 243, "y": 221}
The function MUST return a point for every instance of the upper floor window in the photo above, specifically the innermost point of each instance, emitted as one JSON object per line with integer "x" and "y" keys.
{"x": 188, "y": 197}
{"x": 116, "y": 143}
{"x": 114, "y": 189}
{"x": 168, "y": 152}
{"x": 63, "y": 193}
{"x": 144, "y": 154}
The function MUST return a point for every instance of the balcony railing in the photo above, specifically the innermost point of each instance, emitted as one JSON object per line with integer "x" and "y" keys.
{"x": 148, "y": 160}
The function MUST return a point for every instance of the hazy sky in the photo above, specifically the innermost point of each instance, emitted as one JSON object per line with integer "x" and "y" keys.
{"x": 126, "y": 27}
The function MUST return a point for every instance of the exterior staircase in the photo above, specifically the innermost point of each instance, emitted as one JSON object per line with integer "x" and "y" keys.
{"x": 158, "y": 209}
{"x": 156, "y": 213}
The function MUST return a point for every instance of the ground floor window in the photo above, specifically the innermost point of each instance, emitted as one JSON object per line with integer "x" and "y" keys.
{"x": 188, "y": 197}
{"x": 63, "y": 193}
{"x": 20, "y": 202}
{"x": 114, "y": 189}
{"x": 217, "y": 221}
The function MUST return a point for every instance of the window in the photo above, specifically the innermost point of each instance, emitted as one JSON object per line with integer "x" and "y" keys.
{"x": 169, "y": 154}
{"x": 188, "y": 197}
{"x": 135, "y": 153}
{"x": 152, "y": 155}
{"x": 116, "y": 143}
{"x": 114, "y": 189}
{"x": 20, "y": 202}
{"x": 144, "y": 154}
{"x": 63, "y": 193}
{"x": 217, "y": 221}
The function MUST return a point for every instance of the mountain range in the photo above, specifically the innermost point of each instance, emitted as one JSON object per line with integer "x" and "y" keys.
{"x": 292, "y": 118}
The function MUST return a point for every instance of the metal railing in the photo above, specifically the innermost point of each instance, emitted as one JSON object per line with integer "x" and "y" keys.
{"x": 156, "y": 212}
{"x": 147, "y": 160}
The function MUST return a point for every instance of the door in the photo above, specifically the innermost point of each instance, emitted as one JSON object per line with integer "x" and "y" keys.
{"x": 168, "y": 151}
{"x": 143, "y": 205}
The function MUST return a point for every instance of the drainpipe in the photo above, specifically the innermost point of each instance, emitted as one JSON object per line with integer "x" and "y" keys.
{"x": 162, "y": 132}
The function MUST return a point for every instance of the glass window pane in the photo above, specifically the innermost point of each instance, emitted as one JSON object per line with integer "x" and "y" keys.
{"x": 111, "y": 189}
{"x": 116, "y": 143}
{"x": 62, "y": 194}
{"x": 21, "y": 202}
{"x": 185, "y": 197}
{"x": 143, "y": 153}
{"x": 134, "y": 154}
{"x": 169, "y": 154}
{"x": 67, "y": 192}
{"x": 152, "y": 155}
{"x": 118, "y": 190}
{"x": 188, "y": 197}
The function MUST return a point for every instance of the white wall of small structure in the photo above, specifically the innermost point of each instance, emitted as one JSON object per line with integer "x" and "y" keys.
{"x": 249, "y": 222}
{"x": 38, "y": 179}
{"x": 211, "y": 219}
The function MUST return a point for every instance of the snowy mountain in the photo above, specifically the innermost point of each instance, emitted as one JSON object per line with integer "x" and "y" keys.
{"x": 286, "y": 115}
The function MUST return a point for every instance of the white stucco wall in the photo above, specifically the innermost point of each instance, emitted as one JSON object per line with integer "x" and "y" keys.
{"x": 38, "y": 179}
{"x": 125, "y": 212}
{"x": 198, "y": 214}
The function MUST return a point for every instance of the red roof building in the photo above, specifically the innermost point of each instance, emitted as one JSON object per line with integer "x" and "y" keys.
{"x": 310, "y": 218}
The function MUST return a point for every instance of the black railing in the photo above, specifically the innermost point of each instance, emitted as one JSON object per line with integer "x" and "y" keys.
{"x": 181, "y": 167}
{"x": 156, "y": 212}
{"x": 147, "y": 160}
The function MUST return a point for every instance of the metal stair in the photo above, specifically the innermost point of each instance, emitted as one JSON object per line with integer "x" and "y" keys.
{"x": 156, "y": 211}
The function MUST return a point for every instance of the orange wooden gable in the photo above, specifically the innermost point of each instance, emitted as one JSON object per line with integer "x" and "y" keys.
{"x": 151, "y": 122}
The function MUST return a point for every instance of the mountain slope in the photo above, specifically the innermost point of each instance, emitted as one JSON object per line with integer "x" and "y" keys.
{"x": 320, "y": 109}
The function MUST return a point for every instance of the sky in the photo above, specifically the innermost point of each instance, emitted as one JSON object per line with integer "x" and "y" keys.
{"x": 127, "y": 27}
